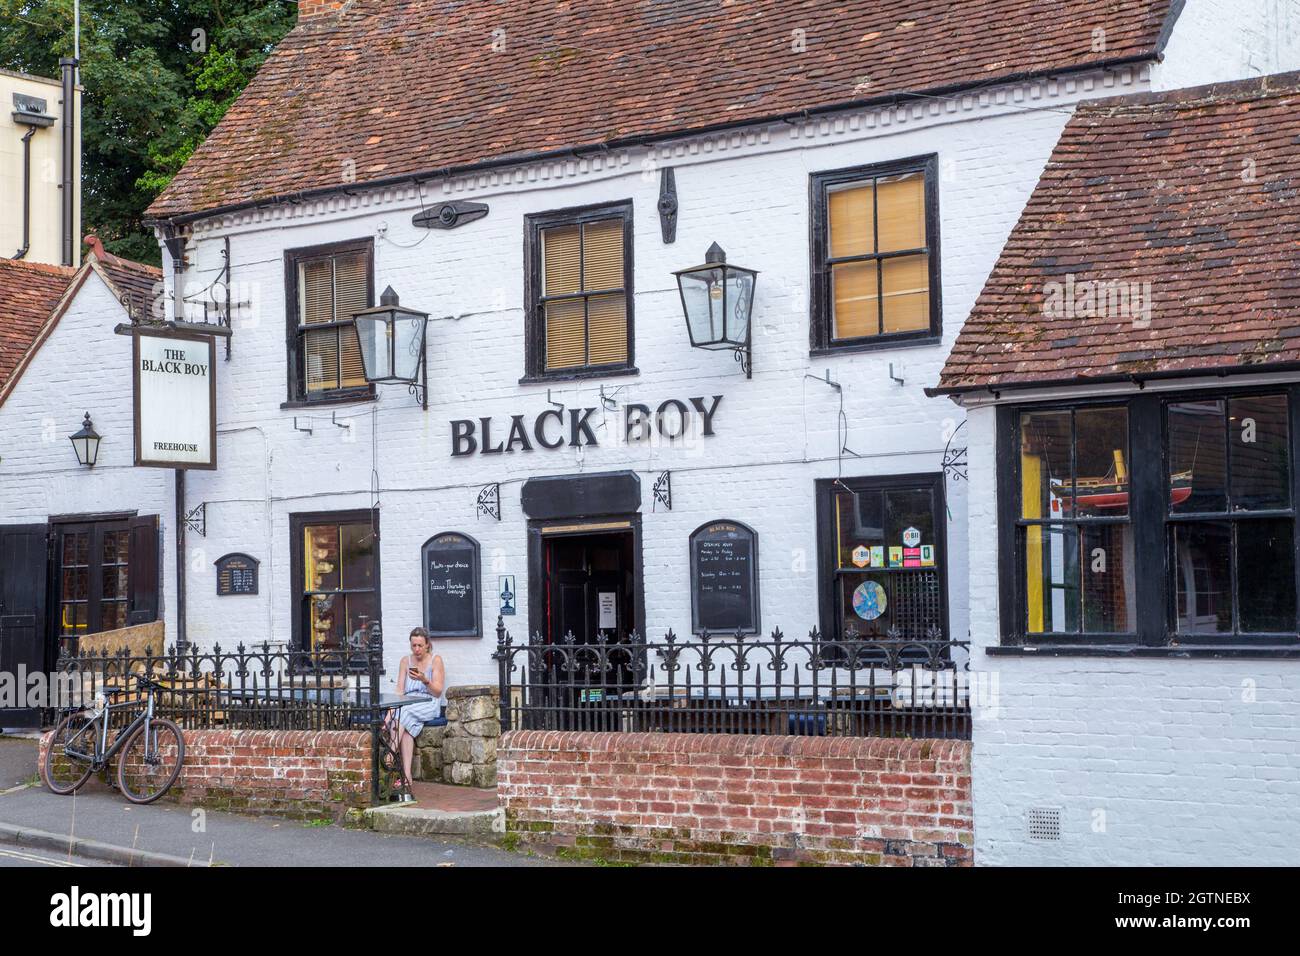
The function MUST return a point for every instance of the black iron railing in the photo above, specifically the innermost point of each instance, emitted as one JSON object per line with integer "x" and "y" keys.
{"x": 733, "y": 684}
{"x": 252, "y": 687}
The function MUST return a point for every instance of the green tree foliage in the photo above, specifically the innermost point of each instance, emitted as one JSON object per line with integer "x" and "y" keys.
{"x": 157, "y": 75}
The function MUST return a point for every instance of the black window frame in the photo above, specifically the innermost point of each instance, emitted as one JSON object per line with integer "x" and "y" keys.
{"x": 298, "y": 633}
{"x": 822, "y": 324}
{"x": 1149, "y": 514}
{"x": 828, "y": 571}
{"x": 534, "y": 303}
{"x": 298, "y": 396}
{"x": 1022, "y": 524}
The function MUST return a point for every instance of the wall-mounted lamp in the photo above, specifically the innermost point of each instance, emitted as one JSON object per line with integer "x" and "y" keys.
{"x": 717, "y": 299}
{"x": 392, "y": 345}
{"x": 86, "y": 443}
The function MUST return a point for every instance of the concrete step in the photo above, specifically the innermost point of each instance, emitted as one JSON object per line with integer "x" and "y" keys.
{"x": 412, "y": 819}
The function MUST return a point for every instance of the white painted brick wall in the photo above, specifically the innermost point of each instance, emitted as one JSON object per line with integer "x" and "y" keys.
{"x": 1216, "y": 41}
{"x": 774, "y": 436}
{"x": 83, "y": 367}
{"x": 1154, "y": 762}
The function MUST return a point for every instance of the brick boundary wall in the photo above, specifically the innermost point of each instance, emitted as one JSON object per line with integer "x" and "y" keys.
{"x": 292, "y": 773}
{"x": 758, "y": 800}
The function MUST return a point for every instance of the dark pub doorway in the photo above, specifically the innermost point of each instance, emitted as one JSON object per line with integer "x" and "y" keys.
{"x": 589, "y": 583}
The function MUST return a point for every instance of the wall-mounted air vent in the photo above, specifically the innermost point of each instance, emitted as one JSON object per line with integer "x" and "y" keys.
{"x": 1044, "y": 824}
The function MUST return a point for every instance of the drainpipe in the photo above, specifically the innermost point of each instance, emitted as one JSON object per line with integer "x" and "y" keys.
{"x": 68, "y": 66}
{"x": 175, "y": 244}
{"x": 27, "y": 193}
{"x": 181, "y": 641}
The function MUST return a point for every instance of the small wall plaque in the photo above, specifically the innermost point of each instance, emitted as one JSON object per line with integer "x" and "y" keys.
{"x": 236, "y": 574}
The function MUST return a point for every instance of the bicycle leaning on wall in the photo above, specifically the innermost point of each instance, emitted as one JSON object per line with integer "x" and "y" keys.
{"x": 150, "y": 749}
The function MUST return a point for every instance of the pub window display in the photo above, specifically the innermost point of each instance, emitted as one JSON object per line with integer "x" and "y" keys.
{"x": 1076, "y": 538}
{"x": 1229, "y": 516}
{"x": 884, "y": 552}
{"x": 1198, "y": 519}
{"x": 340, "y": 596}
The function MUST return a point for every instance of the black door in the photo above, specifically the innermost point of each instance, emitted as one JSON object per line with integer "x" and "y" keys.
{"x": 590, "y": 588}
{"x": 24, "y": 556}
{"x": 590, "y": 597}
{"x": 106, "y": 576}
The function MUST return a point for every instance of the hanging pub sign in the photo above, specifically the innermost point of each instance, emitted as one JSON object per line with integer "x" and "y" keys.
{"x": 724, "y": 578}
{"x": 451, "y": 586}
{"x": 236, "y": 574}
{"x": 175, "y": 389}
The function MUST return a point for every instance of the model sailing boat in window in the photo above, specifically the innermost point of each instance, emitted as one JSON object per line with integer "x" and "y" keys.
{"x": 1110, "y": 492}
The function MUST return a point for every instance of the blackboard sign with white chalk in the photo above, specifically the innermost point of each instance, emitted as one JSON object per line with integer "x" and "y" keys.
{"x": 724, "y": 578}
{"x": 452, "y": 603}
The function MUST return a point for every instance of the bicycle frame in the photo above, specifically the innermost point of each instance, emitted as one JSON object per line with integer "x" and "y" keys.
{"x": 103, "y": 753}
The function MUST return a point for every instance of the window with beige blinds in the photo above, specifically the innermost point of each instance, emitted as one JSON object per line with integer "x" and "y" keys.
{"x": 877, "y": 259}
{"x": 582, "y": 292}
{"x": 331, "y": 288}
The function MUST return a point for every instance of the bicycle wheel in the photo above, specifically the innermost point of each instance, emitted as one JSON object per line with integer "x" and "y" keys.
{"x": 65, "y": 773}
{"x": 147, "y": 766}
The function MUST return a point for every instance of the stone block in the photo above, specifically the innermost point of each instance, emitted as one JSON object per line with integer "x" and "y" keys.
{"x": 484, "y": 775}
{"x": 457, "y": 750}
{"x": 488, "y": 727}
{"x": 430, "y": 737}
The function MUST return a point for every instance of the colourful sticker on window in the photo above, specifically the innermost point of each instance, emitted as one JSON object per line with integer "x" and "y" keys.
{"x": 895, "y": 556}
{"x": 861, "y": 556}
{"x": 869, "y": 601}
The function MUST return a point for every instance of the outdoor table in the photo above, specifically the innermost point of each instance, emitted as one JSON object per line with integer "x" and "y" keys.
{"x": 387, "y": 704}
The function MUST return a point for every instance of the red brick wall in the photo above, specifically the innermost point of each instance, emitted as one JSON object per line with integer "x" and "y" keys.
{"x": 710, "y": 798}
{"x": 289, "y": 772}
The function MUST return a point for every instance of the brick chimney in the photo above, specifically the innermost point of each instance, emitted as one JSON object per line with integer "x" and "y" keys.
{"x": 309, "y": 9}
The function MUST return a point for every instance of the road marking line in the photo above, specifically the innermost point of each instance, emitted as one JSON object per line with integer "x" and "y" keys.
{"x": 32, "y": 858}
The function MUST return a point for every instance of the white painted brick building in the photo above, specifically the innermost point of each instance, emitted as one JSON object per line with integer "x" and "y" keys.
{"x": 1062, "y": 732}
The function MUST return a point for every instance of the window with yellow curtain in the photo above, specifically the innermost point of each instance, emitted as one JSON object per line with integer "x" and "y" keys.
{"x": 330, "y": 284}
{"x": 581, "y": 286}
{"x": 875, "y": 254}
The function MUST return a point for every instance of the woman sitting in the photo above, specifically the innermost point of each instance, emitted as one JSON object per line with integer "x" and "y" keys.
{"x": 420, "y": 674}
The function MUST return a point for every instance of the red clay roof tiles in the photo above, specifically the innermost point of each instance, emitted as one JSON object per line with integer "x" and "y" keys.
{"x": 388, "y": 88}
{"x": 29, "y": 291}
{"x": 1180, "y": 214}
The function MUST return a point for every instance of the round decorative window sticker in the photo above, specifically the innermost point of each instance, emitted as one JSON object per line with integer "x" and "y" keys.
{"x": 869, "y": 601}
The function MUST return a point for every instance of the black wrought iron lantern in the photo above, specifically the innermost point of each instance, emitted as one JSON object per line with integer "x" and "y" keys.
{"x": 392, "y": 345}
{"x": 86, "y": 443}
{"x": 717, "y": 299}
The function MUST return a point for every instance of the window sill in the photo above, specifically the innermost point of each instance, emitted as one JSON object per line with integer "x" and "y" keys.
{"x": 579, "y": 375}
{"x": 1278, "y": 651}
{"x": 879, "y": 345}
{"x": 347, "y": 398}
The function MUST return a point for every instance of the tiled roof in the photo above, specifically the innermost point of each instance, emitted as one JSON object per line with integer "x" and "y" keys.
{"x": 1188, "y": 202}
{"x": 388, "y": 88}
{"x": 29, "y": 291}
{"x": 33, "y": 295}
{"x": 136, "y": 285}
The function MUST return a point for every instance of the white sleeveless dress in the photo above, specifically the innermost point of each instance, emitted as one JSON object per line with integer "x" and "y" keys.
{"x": 413, "y": 717}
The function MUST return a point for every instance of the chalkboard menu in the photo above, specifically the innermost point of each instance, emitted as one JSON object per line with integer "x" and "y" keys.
{"x": 724, "y": 578}
{"x": 452, "y": 605}
{"x": 236, "y": 574}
